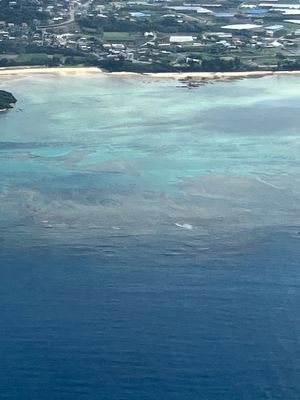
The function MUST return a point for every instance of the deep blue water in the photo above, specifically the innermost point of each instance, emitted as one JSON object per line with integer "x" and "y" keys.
{"x": 78, "y": 328}
{"x": 142, "y": 259}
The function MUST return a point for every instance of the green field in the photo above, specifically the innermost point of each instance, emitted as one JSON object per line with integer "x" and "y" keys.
{"x": 122, "y": 36}
{"x": 25, "y": 58}
{"x": 42, "y": 59}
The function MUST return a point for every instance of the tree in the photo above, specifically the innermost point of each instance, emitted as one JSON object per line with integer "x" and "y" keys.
{"x": 54, "y": 62}
{"x": 3, "y": 62}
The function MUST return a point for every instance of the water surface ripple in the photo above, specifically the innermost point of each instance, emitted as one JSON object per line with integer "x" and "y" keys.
{"x": 150, "y": 240}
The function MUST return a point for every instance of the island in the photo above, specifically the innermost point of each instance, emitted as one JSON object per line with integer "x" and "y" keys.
{"x": 6, "y": 100}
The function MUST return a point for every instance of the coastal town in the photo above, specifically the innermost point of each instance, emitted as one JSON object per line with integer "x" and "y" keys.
{"x": 151, "y": 35}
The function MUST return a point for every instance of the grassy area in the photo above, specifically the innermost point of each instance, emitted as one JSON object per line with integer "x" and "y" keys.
{"x": 42, "y": 59}
{"x": 39, "y": 58}
{"x": 27, "y": 58}
{"x": 122, "y": 36}
{"x": 290, "y": 27}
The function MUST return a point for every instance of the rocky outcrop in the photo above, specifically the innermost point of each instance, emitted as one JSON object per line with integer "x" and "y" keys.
{"x": 6, "y": 100}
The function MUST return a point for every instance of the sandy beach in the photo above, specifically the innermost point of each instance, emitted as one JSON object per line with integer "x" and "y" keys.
{"x": 222, "y": 75}
{"x": 45, "y": 70}
{"x": 170, "y": 75}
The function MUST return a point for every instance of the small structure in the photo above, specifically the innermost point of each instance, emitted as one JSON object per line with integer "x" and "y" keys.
{"x": 224, "y": 14}
{"x": 257, "y": 11}
{"x": 118, "y": 46}
{"x": 181, "y": 39}
{"x": 242, "y": 27}
{"x": 273, "y": 29}
{"x": 140, "y": 14}
{"x": 197, "y": 9}
{"x": 292, "y": 21}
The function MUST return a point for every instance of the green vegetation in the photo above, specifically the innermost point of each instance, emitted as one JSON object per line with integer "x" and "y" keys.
{"x": 6, "y": 100}
{"x": 43, "y": 59}
{"x": 158, "y": 23}
{"x": 22, "y": 12}
{"x": 122, "y": 36}
{"x": 217, "y": 64}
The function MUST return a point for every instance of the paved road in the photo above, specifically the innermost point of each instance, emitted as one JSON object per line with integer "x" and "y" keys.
{"x": 71, "y": 17}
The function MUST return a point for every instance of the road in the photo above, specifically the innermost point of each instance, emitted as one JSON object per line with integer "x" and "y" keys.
{"x": 71, "y": 17}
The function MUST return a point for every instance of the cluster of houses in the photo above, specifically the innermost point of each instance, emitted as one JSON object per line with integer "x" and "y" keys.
{"x": 10, "y": 31}
{"x": 233, "y": 31}
{"x": 222, "y": 27}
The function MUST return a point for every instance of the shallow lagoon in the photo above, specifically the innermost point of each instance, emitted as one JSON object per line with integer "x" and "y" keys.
{"x": 149, "y": 239}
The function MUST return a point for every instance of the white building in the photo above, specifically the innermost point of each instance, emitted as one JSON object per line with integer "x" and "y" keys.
{"x": 242, "y": 27}
{"x": 181, "y": 39}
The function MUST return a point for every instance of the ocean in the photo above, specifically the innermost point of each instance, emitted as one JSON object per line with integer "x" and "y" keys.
{"x": 150, "y": 239}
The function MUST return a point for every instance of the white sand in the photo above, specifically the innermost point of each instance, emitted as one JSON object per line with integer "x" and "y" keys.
{"x": 171, "y": 75}
{"x": 45, "y": 70}
{"x": 222, "y": 75}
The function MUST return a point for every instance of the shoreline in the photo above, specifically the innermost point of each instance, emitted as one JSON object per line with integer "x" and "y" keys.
{"x": 7, "y": 71}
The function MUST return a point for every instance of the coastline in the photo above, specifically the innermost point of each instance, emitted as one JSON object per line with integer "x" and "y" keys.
{"x": 7, "y": 71}
{"x": 222, "y": 75}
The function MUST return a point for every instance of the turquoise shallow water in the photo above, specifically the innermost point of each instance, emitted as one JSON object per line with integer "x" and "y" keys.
{"x": 149, "y": 239}
{"x": 141, "y": 156}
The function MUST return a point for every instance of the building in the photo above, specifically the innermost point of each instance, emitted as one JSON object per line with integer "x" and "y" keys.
{"x": 181, "y": 39}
